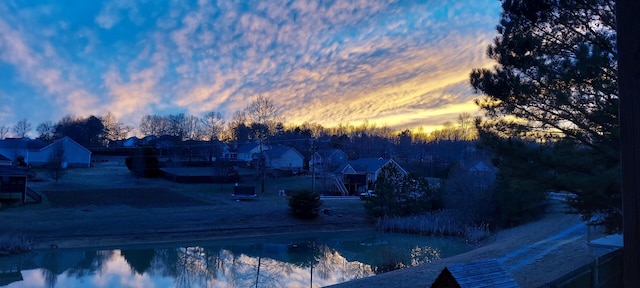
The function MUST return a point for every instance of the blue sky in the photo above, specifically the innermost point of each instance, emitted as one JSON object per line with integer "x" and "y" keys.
{"x": 402, "y": 64}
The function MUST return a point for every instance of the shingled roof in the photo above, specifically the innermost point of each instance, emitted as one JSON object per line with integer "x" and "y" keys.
{"x": 23, "y": 143}
{"x": 368, "y": 165}
{"x": 486, "y": 273}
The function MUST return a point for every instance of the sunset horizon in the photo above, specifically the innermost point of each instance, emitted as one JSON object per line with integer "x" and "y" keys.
{"x": 396, "y": 64}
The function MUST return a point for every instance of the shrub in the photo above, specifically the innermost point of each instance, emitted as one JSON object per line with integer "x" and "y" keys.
{"x": 401, "y": 195}
{"x": 305, "y": 204}
{"x": 144, "y": 163}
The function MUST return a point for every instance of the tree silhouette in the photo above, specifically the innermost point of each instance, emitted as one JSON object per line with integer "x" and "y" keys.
{"x": 555, "y": 85}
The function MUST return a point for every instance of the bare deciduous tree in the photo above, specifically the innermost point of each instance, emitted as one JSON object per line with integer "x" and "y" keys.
{"x": 192, "y": 128}
{"x": 4, "y": 131}
{"x": 114, "y": 130}
{"x": 213, "y": 123}
{"x": 22, "y": 128}
{"x": 263, "y": 111}
{"x": 46, "y": 131}
{"x": 56, "y": 162}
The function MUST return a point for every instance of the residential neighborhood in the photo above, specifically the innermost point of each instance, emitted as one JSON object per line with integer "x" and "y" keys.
{"x": 345, "y": 144}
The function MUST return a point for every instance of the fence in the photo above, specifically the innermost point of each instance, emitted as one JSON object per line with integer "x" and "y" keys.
{"x": 604, "y": 272}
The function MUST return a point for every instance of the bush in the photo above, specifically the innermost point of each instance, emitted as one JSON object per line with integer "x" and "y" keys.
{"x": 144, "y": 163}
{"x": 401, "y": 195}
{"x": 305, "y": 204}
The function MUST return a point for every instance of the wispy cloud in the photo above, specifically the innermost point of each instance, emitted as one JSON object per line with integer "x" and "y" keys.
{"x": 39, "y": 65}
{"x": 115, "y": 11}
{"x": 399, "y": 63}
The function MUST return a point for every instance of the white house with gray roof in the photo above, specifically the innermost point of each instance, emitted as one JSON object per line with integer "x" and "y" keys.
{"x": 37, "y": 152}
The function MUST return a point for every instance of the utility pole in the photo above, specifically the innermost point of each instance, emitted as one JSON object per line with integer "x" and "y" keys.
{"x": 262, "y": 165}
{"x": 313, "y": 160}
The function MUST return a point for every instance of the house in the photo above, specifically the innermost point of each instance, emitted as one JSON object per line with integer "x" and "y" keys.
{"x": 284, "y": 157}
{"x": 18, "y": 149}
{"x": 486, "y": 273}
{"x": 246, "y": 151}
{"x": 13, "y": 184}
{"x": 37, "y": 152}
{"x": 326, "y": 160}
{"x": 357, "y": 175}
{"x": 202, "y": 150}
{"x": 4, "y": 161}
{"x": 221, "y": 149}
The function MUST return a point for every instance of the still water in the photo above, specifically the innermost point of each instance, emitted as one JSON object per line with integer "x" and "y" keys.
{"x": 310, "y": 260}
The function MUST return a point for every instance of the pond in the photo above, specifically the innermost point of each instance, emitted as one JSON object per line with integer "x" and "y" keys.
{"x": 309, "y": 260}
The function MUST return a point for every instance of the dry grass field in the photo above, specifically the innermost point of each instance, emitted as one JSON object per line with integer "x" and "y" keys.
{"x": 106, "y": 205}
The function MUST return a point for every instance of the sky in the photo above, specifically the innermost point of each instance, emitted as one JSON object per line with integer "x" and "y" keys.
{"x": 401, "y": 64}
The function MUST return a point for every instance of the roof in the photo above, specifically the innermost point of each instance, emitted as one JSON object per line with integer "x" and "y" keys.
{"x": 481, "y": 167}
{"x": 68, "y": 139}
{"x": 327, "y": 152}
{"x": 486, "y": 273}
{"x": 3, "y": 158}
{"x": 13, "y": 171}
{"x": 33, "y": 144}
{"x": 278, "y": 151}
{"x": 247, "y": 147}
{"x": 23, "y": 143}
{"x": 368, "y": 165}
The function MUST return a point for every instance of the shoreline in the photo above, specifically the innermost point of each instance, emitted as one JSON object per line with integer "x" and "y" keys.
{"x": 534, "y": 254}
{"x": 139, "y": 239}
{"x": 64, "y": 229}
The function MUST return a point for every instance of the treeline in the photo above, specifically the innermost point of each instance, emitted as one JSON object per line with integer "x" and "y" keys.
{"x": 258, "y": 121}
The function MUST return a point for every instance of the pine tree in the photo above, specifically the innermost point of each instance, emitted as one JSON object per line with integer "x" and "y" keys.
{"x": 554, "y": 90}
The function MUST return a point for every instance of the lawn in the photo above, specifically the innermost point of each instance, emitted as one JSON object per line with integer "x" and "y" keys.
{"x": 104, "y": 185}
{"x": 135, "y": 197}
{"x": 107, "y": 205}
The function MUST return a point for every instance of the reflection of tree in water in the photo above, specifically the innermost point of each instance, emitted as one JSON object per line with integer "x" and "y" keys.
{"x": 331, "y": 263}
{"x": 394, "y": 259}
{"x": 258, "y": 265}
{"x": 426, "y": 254}
{"x": 305, "y": 254}
{"x": 50, "y": 278}
{"x": 334, "y": 264}
{"x": 92, "y": 262}
{"x": 189, "y": 266}
{"x": 139, "y": 260}
{"x": 56, "y": 263}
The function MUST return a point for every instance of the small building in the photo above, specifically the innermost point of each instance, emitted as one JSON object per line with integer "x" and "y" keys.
{"x": 486, "y": 273}
{"x": 284, "y": 157}
{"x": 13, "y": 184}
{"x": 247, "y": 151}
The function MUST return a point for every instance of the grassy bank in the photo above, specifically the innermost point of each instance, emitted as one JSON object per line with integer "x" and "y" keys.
{"x": 14, "y": 244}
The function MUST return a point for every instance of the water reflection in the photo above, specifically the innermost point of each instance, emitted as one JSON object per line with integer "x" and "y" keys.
{"x": 316, "y": 261}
